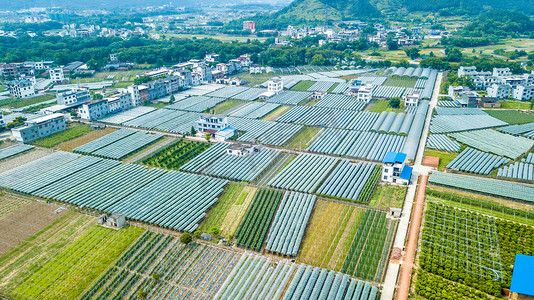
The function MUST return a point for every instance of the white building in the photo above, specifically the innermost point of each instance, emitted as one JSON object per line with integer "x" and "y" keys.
{"x": 119, "y": 102}
{"x": 21, "y": 88}
{"x": 412, "y": 99}
{"x": 133, "y": 90}
{"x": 523, "y": 93}
{"x": 57, "y": 75}
{"x": 395, "y": 169}
{"x": 243, "y": 149}
{"x": 211, "y": 123}
{"x": 225, "y": 133}
{"x": 211, "y": 57}
{"x": 94, "y": 109}
{"x": 275, "y": 85}
{"x": 73, "y": 97}
{"x": 499, "y": 91}
{"x": 362, "y": 92}
{"x": 39, "y": 127}
{"x": 454, "y": 91}
{"x": 467, "y": 71}
{"x": 498, "y": 72}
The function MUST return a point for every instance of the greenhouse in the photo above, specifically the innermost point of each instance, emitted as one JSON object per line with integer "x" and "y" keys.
{"x": 519, "y": 170}
{"x": 341, "y": 102}
{"x": 279, "y": 134}
{"x": 348, "y": 181}
{"x": 477, "y": 162}
{"x": 126, "y": 146}
{"x": 328, "y": 141}
{"x": 14, "y": 150}
{"x": 289, "y": 97}
{"x": 454, "y": 123}
{"x": 227, "y": 92}
{"x": 104, "y": 141}
{"x": 495, "y": 142}
{"x": 443, "y": 143}
{"x": 127, "y": 115}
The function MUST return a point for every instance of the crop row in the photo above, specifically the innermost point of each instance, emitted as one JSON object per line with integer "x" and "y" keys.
{"x": 175, "y": 155}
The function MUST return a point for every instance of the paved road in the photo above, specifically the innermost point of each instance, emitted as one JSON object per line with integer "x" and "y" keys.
{"x": 392, "y": 272}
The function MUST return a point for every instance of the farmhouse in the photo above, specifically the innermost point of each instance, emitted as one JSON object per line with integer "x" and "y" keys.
{"x": 395, "y": 169}
{"x": 243, "y": 149}
{"x": 412, "y": 99}
{"x": 116, "y": 220}
{"x": 467, "y": 99}
{"x": 500, "y": 91}
{"x": 275, "y": 85}
{"x": 211, "y": 123}
{"x": 22, "y": 88}
{"x": 489, "y": 102}
{"x": 39, "y": 127}
{"x": 363, "y": 92}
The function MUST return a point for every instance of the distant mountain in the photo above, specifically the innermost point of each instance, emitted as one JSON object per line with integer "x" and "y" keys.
{"x": 366, "y": 9}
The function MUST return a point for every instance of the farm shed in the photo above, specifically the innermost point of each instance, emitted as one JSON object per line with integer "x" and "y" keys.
{"x": 522, "y": 276}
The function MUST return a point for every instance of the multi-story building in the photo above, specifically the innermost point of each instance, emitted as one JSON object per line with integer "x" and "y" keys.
{"x": 21, "y": 88}
{"x": 57, "y": 75}
{"x": 395, "y": 169}
{"x": 412, "y": 99}
{"x": 468, "y": 99}
{"x": 135, "y": 95}
{"x": 362, "y": 92}
{"x": 249, "y": 25}
{"x": 498, "y": 72}
{"x": 39, "y": 127}
{"x": 275, "y": 85}
{"x": 10, "y": 71}
{"x": 94, "y": 109}
{"x": 454, "y": 91}
{"x": 211, "y": 123}
{"x": 523, "y": 93}
{"x": 119, "y": 102}
{"x": 499, "y": 91}
{"x": 73, "y": 97}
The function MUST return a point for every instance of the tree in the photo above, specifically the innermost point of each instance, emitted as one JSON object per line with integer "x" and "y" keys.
{"x": 453, "y": 54}
{"x": 208, "y": 136}
{"x": 171, "y": 99}
{"x": 141, "y": 294}
{"x": 412, "y": 53}
{"x": 395, "y": 102}
{"x": 215, "y": 231}
{"x": 73, "y": 113}
{"x": 193, "y": 130}
{"x": 318, "y": 60}
{"x": 532, "y": 103}
{"x": 186, "y": 238}
{"x": 18, "y": 121}
{"x": 156, "y": 276}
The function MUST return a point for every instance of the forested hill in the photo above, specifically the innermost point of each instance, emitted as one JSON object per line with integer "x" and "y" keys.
{"x": 317, "y": 10}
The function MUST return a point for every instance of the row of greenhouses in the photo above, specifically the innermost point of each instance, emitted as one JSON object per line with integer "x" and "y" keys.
{"x": 341, "y": 88}
{"x": 363, "y": 121}
{"x": 411, "y": 72}
{"x": 454, "y": 123}
{"x": 529, "y": 159}
{"x": 394, "y": 123}
{"x": 249, "y": 95}
{"x": 518, "y": 129}
{"x": 287, "y": 229}
{"x": 318, "y": 283}
{"x": 428, "y": 90}
{"x": 495, "y": 142}
{"x": 279, "y": 134}
{"x": 255, "y": 110}
{"x": 327, "y": 142}
{"x": 289, "y": 97}
{"x": 519, "y": 170}
{"x": 204, "y": 159}
{"x": 416, "y": 130}
{"x": 241, "y": 168}
{"x": 385, "y": 91}
{"x": 318, "y": 116}
{"x": 21, "y": 173}
{"x": 369, "y": 145}
{"x": 126, "y": 146}
{"x": 348, "y": 180}
{"x": 227, "y": 92}
{"x": 374, "y": 80}
{"x": 104, "y": 141}
{"x": 445, "y": 111}
{"x": 478, "y": 162}
{"x": 176, "y": 121}
{"x": 321, "y": 86}
{"x": 304, "y": 173}
{"x": 447, "y": 103}
{"x": 341, "y": 102}
{"x": 443, "y": 143}
{"x": 196, "y": 103}
{"x": 127, "y": 115}
{"x": 14, "y": 150}
{"x": 485, "y": 186}
{"x": 169, "y": 199}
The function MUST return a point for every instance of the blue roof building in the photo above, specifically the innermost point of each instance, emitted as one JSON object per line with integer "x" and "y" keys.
{"x": 394, "y": 158}
{"x": 395, "y": 170}
{"x": 523, "y": 276}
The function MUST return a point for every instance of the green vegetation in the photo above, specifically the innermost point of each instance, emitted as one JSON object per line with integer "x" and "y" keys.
{"x": 71, "y": 271}
{"x": 383, "y": 105}
{"x": 333, "y": 87}
{"x": 444, "y": 157}
{"x": 407, "y": 82}
{"x": 226, "y": 105}
{"x": 72, "y": 132}
{"x": 512, "y": 116}
{"x": 175, "y": 155}
{"x": 433, "y": 286}
{"x": 302, "y": 138}
{"x": 370, "y": 186}
{"x": 514, "y": 104}
{"x": 18, "y": 121}
{"x": 18, "y": 103}
{"x": 500, "y": 23}
{"x": 230, "y": 209}
{"x": 253, "y": 229}
{"x": 388, "y": 196}
{"x": 157, "y": 104}
{"x": 303, "y": 85}
{"x": 186, "y": 238}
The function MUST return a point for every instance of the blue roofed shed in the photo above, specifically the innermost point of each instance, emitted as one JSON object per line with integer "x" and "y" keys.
{"x": 406, "y": 173}
{"x": 394, "y": 158}
{"x": 523, "y": 275}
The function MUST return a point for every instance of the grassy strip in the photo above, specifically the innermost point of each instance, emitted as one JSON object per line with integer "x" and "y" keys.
{"x": 303, "y": 86}
{"x": 18, "y": 103}
{"x": 70, "y": 133}
{"x": 304, "y": 136}
{"x": 226, "y": 105}
{"x": 383, "y": 105}
{"x": 388, "y": 196}
{"x": 444, "y": 157}
{"x": 175, "y": 155}
{"x": 511, "y": 116}
{"x": 333, "y": 87}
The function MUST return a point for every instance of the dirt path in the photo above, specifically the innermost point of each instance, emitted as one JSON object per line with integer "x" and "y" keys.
{"x": 405, "y": 276}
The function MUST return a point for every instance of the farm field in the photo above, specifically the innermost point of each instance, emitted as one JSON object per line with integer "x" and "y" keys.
{"x": 90, "y": 136}
{"x": 11, "y": 203}
{"x": 28, "y": 257}
{"x": 329, "y": 234}
{"x": 27, "y": 218}
{"x": 511, "y": 116}
{"x": 159, "y": 266}
{"x": 383, "y": 105}
{"x": 253, "y": 229}
{"x": 73, "y": 131}
{"x": 276, "y": 113}
{"x": 175, "y": 155}
{"x": 444, "y": 157}
{"x": 227, "y": 105}
{"x": 406, "y": 82}
{"x": 388, "y": 196}
{"x": 225, "y": 217}
{"x": 303, "y": 138}
{"x": 303, "y": 86}
{"x": 72, "y": 270}
{"x": 19, "y": 160}
{"x": 513, "y": 104}
{"x": 18, "y": 103}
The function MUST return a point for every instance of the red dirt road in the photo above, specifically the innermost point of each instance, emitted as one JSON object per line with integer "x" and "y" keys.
{"x": 403, "y": 288}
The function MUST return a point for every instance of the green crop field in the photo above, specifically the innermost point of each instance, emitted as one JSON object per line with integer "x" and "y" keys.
{"x": 226, "y": 105}
{"x": 388, "y": 196}
{"x": 175, "y": 155}
{"x": 512, "y": 116}
{"x": 303, "y": 85}
{"x": 444, "y": 157}
{"x": 383, "y": 105}
{"x": 302, "y": 138}
{"x": 18, "y": 103}
{"x": 407, "y": 82}
{"x": 68, "y": 274}
{"x": 72, "y": 132}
